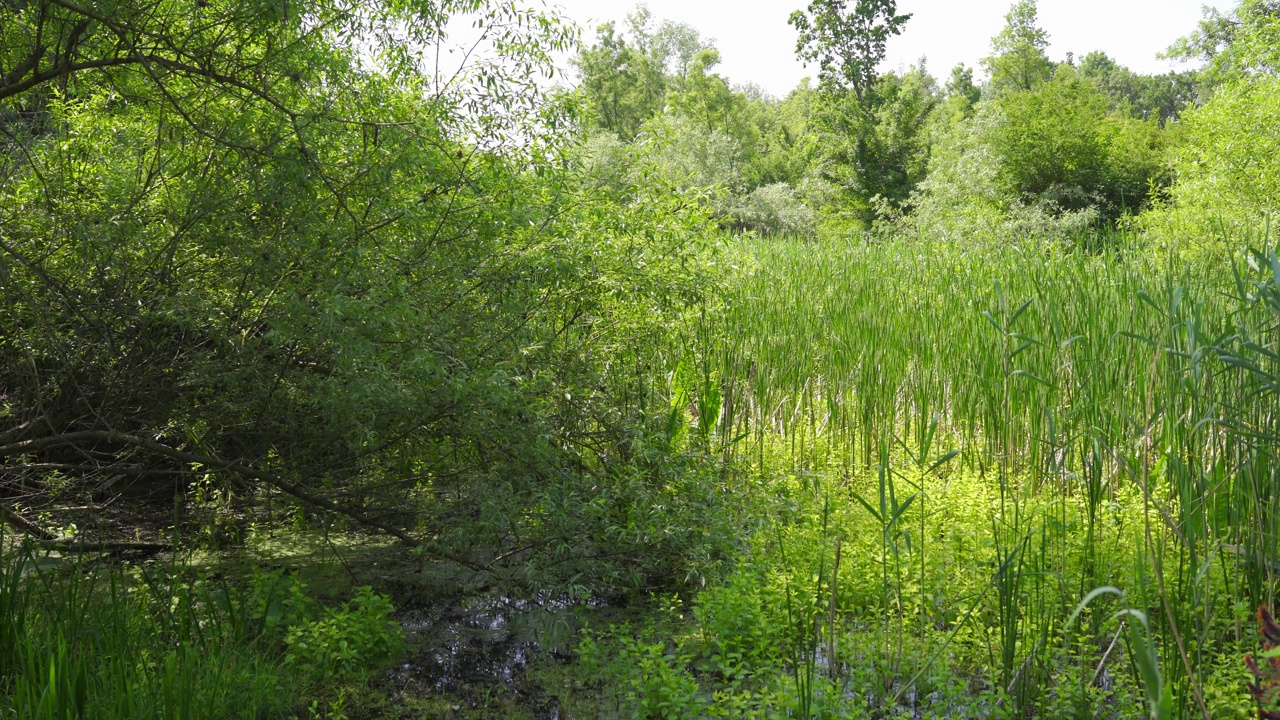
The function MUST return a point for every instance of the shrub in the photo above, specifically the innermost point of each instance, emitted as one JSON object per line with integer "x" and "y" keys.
{"x": 775, "y": 209}
{"x": 1227, "y": 170}
{"x": 1059, "y": 147}
{"x": 357, "y": 635}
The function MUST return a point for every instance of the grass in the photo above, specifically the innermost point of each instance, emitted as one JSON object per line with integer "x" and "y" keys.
{"x": 1103, "y": 419}
{"x": 98, "y": 639}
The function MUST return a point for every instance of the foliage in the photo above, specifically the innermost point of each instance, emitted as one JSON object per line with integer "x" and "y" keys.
{"x": 899, "y": 159}
{"x": 870, "y": 128}
{"x": 627, "y": 80}
{"x": 785, "y": 146}
{"x": 1018, "y": 60}
{"x": 875, "y": 155}
{"x": 358, "y": 635}
{"x": 776, "y": 209}
{"x": 386, "y": 303}
{"x": 864, "y": 456}
{"x": 1059, "y": 145}
{"x": 1163, "y": 97}
{"x": 706, "y": 100}
{"x": 622, "y": 85}
{"x": 960, "y": 95}
{"x": 1228, "y": 183}
{"x": 82, "y": 640}
{"x": 1232, "y": 45}
{"x": 847, "y": 43}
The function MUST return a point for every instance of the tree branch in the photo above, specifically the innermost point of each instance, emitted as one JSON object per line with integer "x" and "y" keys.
{"x": 72, "y": 438}
{"x": 18, "y": 522}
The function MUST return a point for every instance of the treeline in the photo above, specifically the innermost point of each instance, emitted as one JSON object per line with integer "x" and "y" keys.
{"x": 268, "y": 252}
{"x": 1070, "y": 144}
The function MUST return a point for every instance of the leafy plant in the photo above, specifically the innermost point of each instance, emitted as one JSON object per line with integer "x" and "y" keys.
{"x": 1266, "y": 686}
{"x": 359, "y": 634}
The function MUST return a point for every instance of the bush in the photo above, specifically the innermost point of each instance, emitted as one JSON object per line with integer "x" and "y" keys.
{"x": 1227, "y": 168}
{"x": 775, "y": 209}
{"x": 1059, "y": 147}
{"x": 357, "y": 635}
{"x": 965, "y": 199}
{"x": 692, "y": 157}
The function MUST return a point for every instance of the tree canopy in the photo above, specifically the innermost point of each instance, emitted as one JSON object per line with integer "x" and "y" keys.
{"x": 848, "y": 44}
{"x": 1018, "y": 60}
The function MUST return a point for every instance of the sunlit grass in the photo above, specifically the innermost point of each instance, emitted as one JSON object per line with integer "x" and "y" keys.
{"x": 985, "y": 434}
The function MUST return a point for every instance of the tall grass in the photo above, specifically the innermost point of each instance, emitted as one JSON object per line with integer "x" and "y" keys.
{"x": 90, "y": 640}
{"x": 1067, "y": 380}
{"x": 82, "y": 639}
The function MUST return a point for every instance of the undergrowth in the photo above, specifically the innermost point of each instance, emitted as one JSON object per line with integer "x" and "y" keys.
{"x": 85, "y": 639}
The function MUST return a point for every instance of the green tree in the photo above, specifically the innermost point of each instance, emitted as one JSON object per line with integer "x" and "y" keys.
{"x": 1227, "y": 167}
{"x": 785, "y": 146}
{"x": 623, "y": 85}
{"x": 672, "y": 44}
{"x": 875, "y": 157}
{"x": 848, "y": 43}
{"x": 901, "y": 139}
{"x": 1060, "y": 146}
{"x": 961, "y": 95}
{"x": 706, "y": 99}
{"x": 626, "y": 79}
{"x": 1244, "y": 41}
{"x": 1018, "y": 60}
{"x": 1162, "y": 97}
{"x": 233, "y": 244}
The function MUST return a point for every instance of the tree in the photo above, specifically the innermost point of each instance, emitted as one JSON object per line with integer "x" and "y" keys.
{"x": 961, "y": 94}
{"x": 672, "y": 44}
{"x": 1018, "y": 60}
{"x": 706, "y": 98}
{"x": 785, "y": 146}
{"x": 877, "y": 158}
{"x": 266, "y": 247}
{"x": 623, "y": 86}
{"x": 901, "y": 140}
{"x": 1162, "y": 97}
{"x": 626, "y": 79}
{"x": 848, "y": 44}
{"x": 1245, "y": 41}
{"x": 1228, "y": 174}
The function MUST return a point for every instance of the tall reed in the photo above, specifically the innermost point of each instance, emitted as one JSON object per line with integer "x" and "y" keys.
{"x": 1067, "y": 378}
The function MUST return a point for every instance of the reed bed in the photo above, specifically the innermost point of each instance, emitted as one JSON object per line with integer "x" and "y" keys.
{"x": 1068, "y": 382}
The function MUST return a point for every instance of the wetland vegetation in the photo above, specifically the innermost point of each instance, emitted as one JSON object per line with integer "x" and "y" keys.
{"x": 334, "y": 385}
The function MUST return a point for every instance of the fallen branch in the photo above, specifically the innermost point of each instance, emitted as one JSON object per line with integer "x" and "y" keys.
{"x": 111, "y": 436}
{"x": 78, "y": 546}
{"x": 17, "y": 522}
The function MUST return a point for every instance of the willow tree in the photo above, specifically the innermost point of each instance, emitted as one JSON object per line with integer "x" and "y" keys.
{"x": 278, "y": 245}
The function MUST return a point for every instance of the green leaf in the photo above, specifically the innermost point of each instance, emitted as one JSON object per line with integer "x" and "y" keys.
{"x": 943, "y": 460}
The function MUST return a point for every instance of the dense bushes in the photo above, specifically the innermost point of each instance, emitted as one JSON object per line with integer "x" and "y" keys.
{"x": 1227, "y": 166}
{"x": 1059, "y": 146}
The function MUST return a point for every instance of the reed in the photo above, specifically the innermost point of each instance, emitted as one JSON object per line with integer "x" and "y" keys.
{"x": 87, "y": 639}
{"x": 1069, "y": 381}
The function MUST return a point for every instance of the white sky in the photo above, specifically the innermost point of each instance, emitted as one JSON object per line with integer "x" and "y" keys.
{"x": 757, "y": 44}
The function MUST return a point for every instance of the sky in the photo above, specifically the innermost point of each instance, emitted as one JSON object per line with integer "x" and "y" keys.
{"x": 758, "y": 46}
